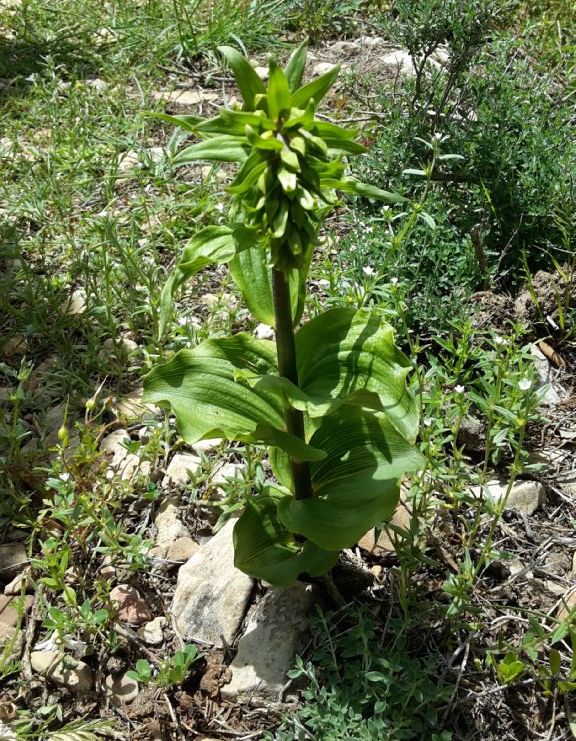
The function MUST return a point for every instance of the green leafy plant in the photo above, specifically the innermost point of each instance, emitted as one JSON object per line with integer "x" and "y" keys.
{"x": 330, "y": 401}
{"x": 172, "y": 671}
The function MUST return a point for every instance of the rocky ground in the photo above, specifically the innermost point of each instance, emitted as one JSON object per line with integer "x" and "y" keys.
{"x": 246, "y": 632}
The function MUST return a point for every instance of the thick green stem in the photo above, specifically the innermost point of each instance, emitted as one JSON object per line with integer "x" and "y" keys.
{"x": 286, "y": 352}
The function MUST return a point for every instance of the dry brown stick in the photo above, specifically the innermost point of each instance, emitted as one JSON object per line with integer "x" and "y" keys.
{"x": 551, "y": 354}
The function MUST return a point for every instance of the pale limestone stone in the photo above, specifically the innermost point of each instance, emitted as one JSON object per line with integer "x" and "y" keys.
{"x": 152, "y": 633}
{"x": 121, "y": 689}
{"x": 184, "y": 97}
{"x": 322, "y": 68}
{"x": 207, "y": 445}
{"x": 122, "y": 463}
{"x": 181, "y": 468}
{"x": 224, "y": 477}
{"x": 211, "y": 595}
{"x": 182, "y": 549}
{"x": 525, "y": 496}
{"x": 274, "y": 632}
{"x": 168, "y": 523}
{"x": 75, "y": 304}
{"x": 66, "y": 671}
{"x": 19, "y": 582}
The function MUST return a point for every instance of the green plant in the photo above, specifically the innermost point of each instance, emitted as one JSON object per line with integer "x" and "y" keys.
{"x": 334, "y": 410}
{"x": 172, "y": 671}
{"x": 362, "y": 685}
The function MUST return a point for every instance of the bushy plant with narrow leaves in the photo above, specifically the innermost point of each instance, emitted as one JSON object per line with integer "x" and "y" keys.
{"x": 330, "y": 400}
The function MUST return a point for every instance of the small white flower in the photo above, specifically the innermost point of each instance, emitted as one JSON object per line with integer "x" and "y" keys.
{"x": 525, "y": 384}
{"x": 438, "y": 136}
{"x": 65, "y": 476}
{"x": 368, "y": 271}
{"x": 394, "y": 281}
{"x": 182, "y": 321}
{"x": 459, "y": 389}
{"x": 220, "y": 207}
{"x": 369, "y": 229}
{"x": 427, "y": 421}
{"x": 498, "y": 340}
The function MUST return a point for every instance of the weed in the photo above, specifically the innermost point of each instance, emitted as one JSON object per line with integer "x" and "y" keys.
{"x": 363, "y": 684}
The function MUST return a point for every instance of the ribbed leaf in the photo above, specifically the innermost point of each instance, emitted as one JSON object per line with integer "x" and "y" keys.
{"x": 294, "y": 70}
{"x": 201, "y": 387}
{"x": 219, "y": 148}
{"x": 214, "y": 244}
{"x": 357, "y": 485}
{"x": 264, "y": 549}
{"x": 344, "y": 351}
{"x": 314, "y": 90}
{"x": 247, "y": 80}
{"x": 278, "y": 91}
{"x": 251, "y": 273}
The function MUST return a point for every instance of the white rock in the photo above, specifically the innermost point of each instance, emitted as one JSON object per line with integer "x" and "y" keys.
{"x": 223, "y": 478}
{"x": 262, "y": 72}
{"x": 152, "y": 633}
{"x": 129, "y": 162}
{"x": 22, "y": 580}
{"x": 401, "y": 60}
{"x": 345, "y": 48}
{"x": 121, "y": 689}
{"x": 122, "y": 463}
{"x": 184, "y": 97}
{"x": 211, "y": 595}
{"x": 208, "y": 445}
{"x": 182, "y": 549}
{"x": 66, "y": 671}
{"x": 264, "y": 332}
{"x": 168, "y": 523}
{"x": 75, "y": 304}
{"x": 116, "y": 349}
{"x": 275, "y": 629}
{"x": 181, "y": 468}
{"x": 373, "y": 41}
{"x": 544, "y": 373}
{"x": 525, "y": 496}
{"x": 322, "y": 68}
{"x": 131, "y": 407}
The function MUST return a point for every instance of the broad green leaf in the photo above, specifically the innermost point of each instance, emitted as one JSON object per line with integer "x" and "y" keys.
{"x": 343, "y": 351}
{"x": 251, "y": 273}
{"x": 264, "y": 549}
{"x": 294, "y": 70}
{"x": 209, "y": 245}
{"x": 223, "y": 148}
{"x": 357, "y": 485}
{"x": 278, "y": 91}
{"x": 314, "y": 90}
{"x": 247, "y": 80}
{"x": 201, "y": 387}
